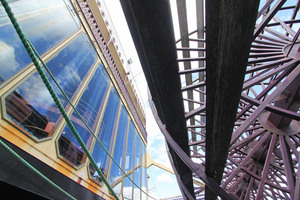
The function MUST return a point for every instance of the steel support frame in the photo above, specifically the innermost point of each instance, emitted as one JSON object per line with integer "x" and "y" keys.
{"x": 272, "y": 69}
{"x": 266, "y": 54}
{"x": 276, "y": 175}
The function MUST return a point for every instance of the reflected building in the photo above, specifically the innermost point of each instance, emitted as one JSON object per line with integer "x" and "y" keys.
{"x": 74, "y": 39}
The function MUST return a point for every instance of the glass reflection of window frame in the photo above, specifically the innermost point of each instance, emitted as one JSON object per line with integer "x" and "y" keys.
{"x": 22, "y": 103}
{"x": 68, "y": 6}
{"x": 52, "y": 53}
{"x": 144, "y": 172}
{"x": 130, "y": 175}
{"x": 18, "y": 78}
{"x": 71, "y": 112}
{"x": 100, "y": 182}
{"x": 105, "y": 172}
{"x": 137, "y": 166}
{"x": 122, "y": 164}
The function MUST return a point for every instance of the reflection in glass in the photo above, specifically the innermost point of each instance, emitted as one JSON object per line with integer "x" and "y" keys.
{"x": 137, "y": 181}
{"x": 144, "y": 172}
{"x": 33, "y": 97}
{"x": 127, "y": 187}
{"x": 31, "y": 106}
{"x": 138, "y": 150}
{"x": 144, "y": 183}
{"x": 70, "y": 65}
{"x": 89, "y": 107}
{"x": 137, "y": 168}
{"x": 106, "y": 134}
{"x": 116, "y": 174}
{"x": 46, "y": 23}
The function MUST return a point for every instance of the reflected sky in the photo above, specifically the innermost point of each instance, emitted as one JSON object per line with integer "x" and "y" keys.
{"x": 68, "y": 70}
{"x": 70, "y": 66}
{"x": 119, "y": 153}
{"x": 89, "y": 107}
{"x": 127, "y": 187}
{"x": 106, "y": 133}
{"x": 48, "y": 23}
{"x": 130, "y": 148}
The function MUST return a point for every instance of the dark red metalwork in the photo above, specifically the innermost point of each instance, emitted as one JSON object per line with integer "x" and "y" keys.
{"x": 264, "y": 156}
{"x": 264, "y": 152}
{"x": 266, "y": 135}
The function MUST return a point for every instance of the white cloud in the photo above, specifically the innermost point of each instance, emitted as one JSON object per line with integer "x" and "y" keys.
{"x": 8, "y": 61}
{"x": 116, "y": 178}
{"x": 164, "y": 178}
{"x": 69, "y": 76}
{"x": 37, "y": 93}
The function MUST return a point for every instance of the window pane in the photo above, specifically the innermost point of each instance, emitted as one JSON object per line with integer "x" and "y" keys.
{"x": 127, "y": 187}
{"x": 130, "y": 148}
{"x": 137, "y": 169}
{"x": 46, "y": 23}
{"x": 106, "y": 134}
{"x": 144, "y": 172}
{"x": 70, "y": 66}
{"x": 137, "y": 181}
{"x": 119, "y": 151}
{"x": 89, "y": 107}
{"x": 36, "y": 115}
{"x": 31, "y": 105}
{"x": 138, "y": 143}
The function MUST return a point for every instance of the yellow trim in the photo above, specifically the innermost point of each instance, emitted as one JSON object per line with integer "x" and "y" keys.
{"x": 101, "y": 117}
{"x": 125, "y": 154}
{"x": 46, "y": 152}
{"x": 99, "y": 19}
{"x": 97, "y": 131}
{"x": 114, "y": 142}
{"x": 28, "y": 70}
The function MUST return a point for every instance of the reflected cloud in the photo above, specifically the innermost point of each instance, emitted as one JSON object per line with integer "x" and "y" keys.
{"x": 116, "y": 178}
{"x": 8, "y": 61}
{"x": 72, "y": 75}
{"x": 127, "y": 192}
{"x": 35, "y": 92}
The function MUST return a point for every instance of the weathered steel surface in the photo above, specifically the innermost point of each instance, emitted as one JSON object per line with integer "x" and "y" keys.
{"x": 229, "y": 34}
{"x": 151, "y": 27}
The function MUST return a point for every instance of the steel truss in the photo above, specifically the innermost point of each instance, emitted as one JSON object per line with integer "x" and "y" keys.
{"x": 264, "y": 155}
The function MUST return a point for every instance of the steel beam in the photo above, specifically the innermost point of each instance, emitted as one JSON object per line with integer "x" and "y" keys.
{"x": 150, "y": 24}
{"x": 263, "y": 105}
{"x": 229, "y": 33}
{"x": 268, "y": 17}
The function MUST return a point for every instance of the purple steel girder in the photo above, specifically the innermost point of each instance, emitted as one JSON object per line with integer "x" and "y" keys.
{"x": 268, "y": 80}
{"x": 233, "y": 91}
{"x": 263, "y": 159}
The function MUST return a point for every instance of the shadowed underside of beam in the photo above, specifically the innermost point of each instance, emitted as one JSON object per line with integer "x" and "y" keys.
{"x": 229, "y": 33}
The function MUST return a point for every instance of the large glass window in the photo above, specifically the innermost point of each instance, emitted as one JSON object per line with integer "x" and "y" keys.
{"x": 89, "y": 107}
{"x": 127, "y": 187}
{"x": 144, "y": 172}
{"x": 137, "y": 167}
{"x": 71, "y": 65}
{"x": 116, "y": 174}
{"x": 106, "y": 135}
{"x": 46, "y": 23}
{"x": 31, "y": 105}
